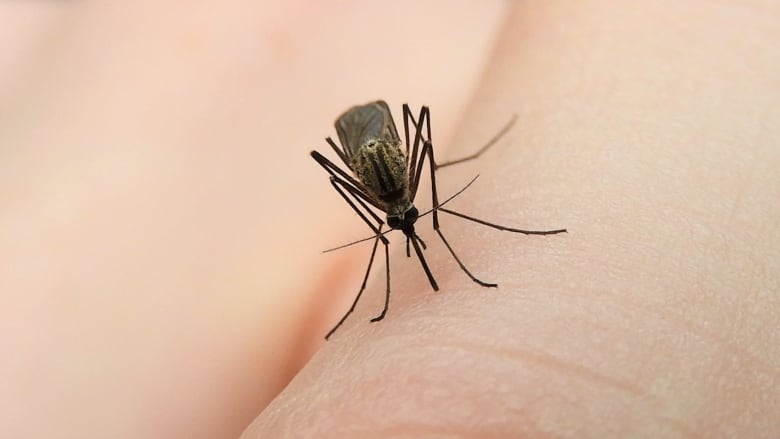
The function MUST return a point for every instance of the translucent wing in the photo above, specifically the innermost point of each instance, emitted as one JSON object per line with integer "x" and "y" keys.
{"x": 362, "y": 123}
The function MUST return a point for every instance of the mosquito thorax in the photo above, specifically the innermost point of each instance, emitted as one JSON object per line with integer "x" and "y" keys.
{"x": 380, "y": 164}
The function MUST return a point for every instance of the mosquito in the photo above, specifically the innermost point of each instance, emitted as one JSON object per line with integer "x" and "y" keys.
{"x": 386, "y": 176}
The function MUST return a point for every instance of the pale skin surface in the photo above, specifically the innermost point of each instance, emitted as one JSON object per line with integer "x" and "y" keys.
{"x": 139, "y": 202}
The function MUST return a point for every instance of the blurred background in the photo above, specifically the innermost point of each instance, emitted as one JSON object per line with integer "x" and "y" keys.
{"x": 160, "y": 219}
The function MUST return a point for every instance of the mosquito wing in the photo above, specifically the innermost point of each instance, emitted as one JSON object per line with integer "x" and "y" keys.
{"x": 362, "y": 123}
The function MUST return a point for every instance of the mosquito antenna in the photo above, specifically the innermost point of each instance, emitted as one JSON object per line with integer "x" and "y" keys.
{"x": 421, "y": 215}
{"x": 358, "y": 241}
{"x": 450, "y": 198}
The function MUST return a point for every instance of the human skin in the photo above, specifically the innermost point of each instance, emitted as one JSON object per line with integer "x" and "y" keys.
{"x": 165, "y": 285}
{"x": 650, "y": 130}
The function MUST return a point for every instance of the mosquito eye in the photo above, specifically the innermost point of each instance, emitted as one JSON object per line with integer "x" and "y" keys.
{"x": 394, "y": 222}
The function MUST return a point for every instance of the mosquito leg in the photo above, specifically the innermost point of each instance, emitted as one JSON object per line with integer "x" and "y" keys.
{"x": 485, "y": 147}
{"x": 338, "y": 184}
{"x": 342, "y": 155}
{"x": 500, "y": 227}
{"x": 463, "y": 267}
{"x": 335, "y": 171}
{"x": 345, "y": 190}
{"x": 427, "y": 151}
{"x": 387, "y": 291}
{"x": 407, "y": 114}
{"x": 362, "y": 288}
{"x": 379, "y": 237}
{"x": 414, "y": 176}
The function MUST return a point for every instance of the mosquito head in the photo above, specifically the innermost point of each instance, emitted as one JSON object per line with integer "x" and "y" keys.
{"x": 403, "y": 220}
